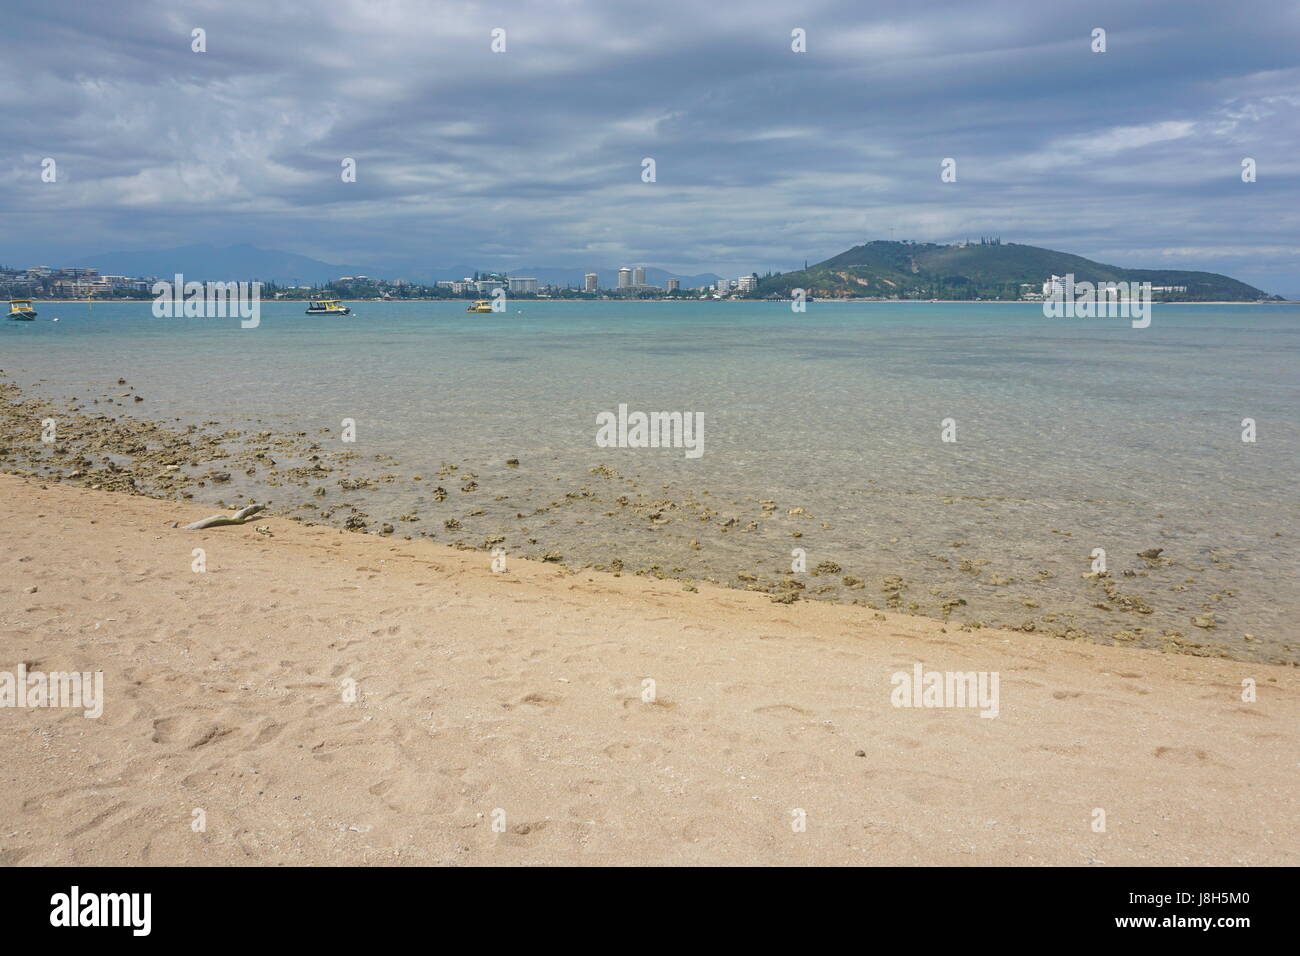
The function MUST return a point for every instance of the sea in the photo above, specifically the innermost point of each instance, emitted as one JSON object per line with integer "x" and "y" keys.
{"x": 971, "y": 461}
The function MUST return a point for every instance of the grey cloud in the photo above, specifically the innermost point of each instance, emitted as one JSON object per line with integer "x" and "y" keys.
{"x": 764, "y": 156}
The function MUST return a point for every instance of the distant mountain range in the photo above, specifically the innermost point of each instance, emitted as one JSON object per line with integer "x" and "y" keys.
{"x": 978, "y": 270}
{"x": 245, "y": 262}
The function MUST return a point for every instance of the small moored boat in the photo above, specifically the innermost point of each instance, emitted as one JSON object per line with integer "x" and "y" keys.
{"x": 327, "y": 307}
{"x": 21, "y": 310}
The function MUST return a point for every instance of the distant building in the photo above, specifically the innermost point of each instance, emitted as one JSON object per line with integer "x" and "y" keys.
{"x": 522, "y": 284}
{"x": 590, "y": 282}
{"x": 624, "y": 277}
{"x": 80, "y": 289}
{"x": 747, "y": 283}
{"x": 674, "y": 285}
{"x": 488, "y": 286}
{"x": 1055, "y": 286}
{"x": 638, "y": 275}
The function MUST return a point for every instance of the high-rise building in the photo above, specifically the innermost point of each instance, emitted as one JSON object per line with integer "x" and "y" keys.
{"x": 624, "y": 277}
{"x": 590, "y": 282}
{"x": 638, "y": 275}
{"x": 674, "y": 285}
{"x": 747, "y": 283}
{"x": 521, "y": 284}
{"x": 1058, "y": 286}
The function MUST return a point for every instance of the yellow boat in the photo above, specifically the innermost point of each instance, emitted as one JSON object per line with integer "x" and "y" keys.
{"x": 21, "y": 310}
{"x": 481, "y": 305}
{"x": 327, "y": 307}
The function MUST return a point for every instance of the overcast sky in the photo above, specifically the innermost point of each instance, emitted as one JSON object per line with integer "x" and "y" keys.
{"x": 764, "y": 156}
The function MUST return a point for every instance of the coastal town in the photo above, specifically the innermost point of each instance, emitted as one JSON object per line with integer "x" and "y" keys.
{"x": 83, "y": 283}
{"x": 80, "y": 282}
{"x": 989, "y": 270}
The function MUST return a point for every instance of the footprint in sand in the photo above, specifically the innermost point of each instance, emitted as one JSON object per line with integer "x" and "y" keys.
{"x": 211, "y": 735}
{"x": 782, "y": 710}
{"x": 797, "y": 760}
{"x": 165, "y": 729}
{"x": 1067, "y": 750}
{"x": 540, "y": 699}
{"x": 662, "y": 703}
{"x": 269, "y": 732}
{"x": 524, "y": 829}
{"x": 1186, "y": 756}
{"x": 633, "y": 753}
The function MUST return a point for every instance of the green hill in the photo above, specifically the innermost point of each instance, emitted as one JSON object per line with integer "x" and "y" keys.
{"x": 993, "y": 270}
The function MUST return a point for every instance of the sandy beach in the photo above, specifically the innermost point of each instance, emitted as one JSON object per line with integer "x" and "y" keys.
{"x": 323, "y": 697}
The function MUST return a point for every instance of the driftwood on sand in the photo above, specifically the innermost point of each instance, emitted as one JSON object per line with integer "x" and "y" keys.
{"x": 215, "y": 521}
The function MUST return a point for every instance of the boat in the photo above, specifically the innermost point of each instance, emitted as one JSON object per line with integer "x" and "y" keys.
{"x": 21, "y": 310}
{"x": 480, "y": 305}
{"x": 327, "y": 307}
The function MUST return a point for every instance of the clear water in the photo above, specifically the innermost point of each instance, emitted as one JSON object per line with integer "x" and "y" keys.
{"x": 1072, "y": 434}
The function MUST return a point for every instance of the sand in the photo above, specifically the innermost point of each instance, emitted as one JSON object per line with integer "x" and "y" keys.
{"x": 499, "y": 717}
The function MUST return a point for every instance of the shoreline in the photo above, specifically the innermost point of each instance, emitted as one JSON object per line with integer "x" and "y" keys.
{"x": 602, "y": 524}
{"x": 523, "y": 692}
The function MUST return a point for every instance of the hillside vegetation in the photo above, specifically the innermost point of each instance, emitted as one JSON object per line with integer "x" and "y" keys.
{"x": 916, "y": 270}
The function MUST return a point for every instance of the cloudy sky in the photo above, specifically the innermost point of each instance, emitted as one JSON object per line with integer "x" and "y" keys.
{"x": 764, "y": 156}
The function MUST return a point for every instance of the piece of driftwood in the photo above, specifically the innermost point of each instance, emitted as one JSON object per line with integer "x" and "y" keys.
{"x": 216, "y": 521}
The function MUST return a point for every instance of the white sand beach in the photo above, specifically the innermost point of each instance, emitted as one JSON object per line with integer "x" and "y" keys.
{"x": 500, "y": 718}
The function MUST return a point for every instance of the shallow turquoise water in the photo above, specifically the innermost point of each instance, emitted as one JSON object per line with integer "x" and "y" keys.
{"x": 842, "y": 393}
{"x": 1085, "y": 422}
